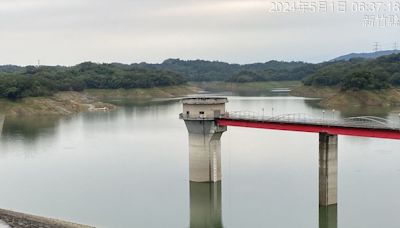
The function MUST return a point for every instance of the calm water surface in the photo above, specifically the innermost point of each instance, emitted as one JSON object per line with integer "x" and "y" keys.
{"x": 129, "y": 168}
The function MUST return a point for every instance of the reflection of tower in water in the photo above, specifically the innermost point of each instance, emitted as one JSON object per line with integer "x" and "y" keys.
{"x": 205, "y": 205}
{"x": 328, "y": 216}
{"x": 1, "y": 123}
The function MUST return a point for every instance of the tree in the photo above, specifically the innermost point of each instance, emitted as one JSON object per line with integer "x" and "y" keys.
{"x": 364, "y": 80}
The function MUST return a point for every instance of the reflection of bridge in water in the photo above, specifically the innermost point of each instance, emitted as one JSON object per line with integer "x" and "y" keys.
{"x": 206, "y": 120}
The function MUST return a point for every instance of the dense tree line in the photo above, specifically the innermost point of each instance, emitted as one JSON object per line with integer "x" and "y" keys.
{"x": 11, "y": 69}
{"x": 364, "y": 80}
{"x": 40, "y": 81}
{"x": 355, "y": 74}
{"x": 358, "y": 74}
{"x": 294, "y": 72}
{"x": 200, "y": 70}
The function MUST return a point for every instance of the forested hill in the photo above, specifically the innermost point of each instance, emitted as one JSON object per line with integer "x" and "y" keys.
{"x": 370, "y": 55}
{"x": 201, "y": 70}
{"x": 18, "y": 82}
{"x": 11, "y": 69}
{"x": 358, "y": 74}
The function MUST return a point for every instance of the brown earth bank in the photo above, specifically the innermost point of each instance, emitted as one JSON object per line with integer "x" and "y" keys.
{"x": 67, "y": 103}
{"x": 333, "y": 97}
{"x": 21, "y": 220}
{"x": 63, "y": 103}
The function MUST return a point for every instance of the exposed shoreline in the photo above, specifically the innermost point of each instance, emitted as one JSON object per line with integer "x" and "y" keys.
{"x": 69, "y": 103}
{"x": 333, "y": 97}
{"x": 22, "y": 220}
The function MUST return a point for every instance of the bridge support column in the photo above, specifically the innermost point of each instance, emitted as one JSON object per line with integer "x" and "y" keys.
{"x": 204, "y": 150}
{"x": 328, "y": 169}
{"x": 205, "y": 205}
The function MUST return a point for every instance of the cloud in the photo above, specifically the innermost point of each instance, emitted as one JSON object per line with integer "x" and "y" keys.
{"x": 69, "y": 31}
{"x": 216, "y": 7}
{"x": 29, "y": 5}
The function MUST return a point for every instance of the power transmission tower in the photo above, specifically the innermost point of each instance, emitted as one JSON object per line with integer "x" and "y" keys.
{"x": 376, "y": 46}
{"x": 395, "y": 46}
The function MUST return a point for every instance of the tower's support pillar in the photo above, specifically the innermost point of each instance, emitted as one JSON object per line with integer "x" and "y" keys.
{"x": 204, "y": 150}
{"x": 205, "y": 205}
{"x": 328, "y": 169}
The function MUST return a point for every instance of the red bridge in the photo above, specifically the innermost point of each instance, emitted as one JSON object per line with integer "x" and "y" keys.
{"x": 363, "y": 126}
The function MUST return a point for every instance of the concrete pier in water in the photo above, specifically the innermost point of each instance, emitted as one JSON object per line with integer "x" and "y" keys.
{"x": 328, "y": 180}
{"x": 204, "y": 137}
{"x": 328, "y": 169}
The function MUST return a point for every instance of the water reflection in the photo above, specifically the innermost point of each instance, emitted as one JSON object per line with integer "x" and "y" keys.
{"x": 328, "y": 216}
{"x": 206, "y": 210}
{"x": 137, "y": 103}
{"x": 205, "y": 205}
{"x": 1, "y": 124}
{"x": 29, "y": 128}
{"x": 108, "y": 148}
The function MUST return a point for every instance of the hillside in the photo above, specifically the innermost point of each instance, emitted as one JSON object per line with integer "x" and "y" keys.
{"x": 355, "y": 74}
{"x": 11, "y": 69}
{"x": 201, "y": 70}
{"x": 71, "y": 102}
{"x": 45, "y": 80}
{"x": 333, "y": 97}
{"x": 371, "y": 55}
{"x": 358, "y": 74}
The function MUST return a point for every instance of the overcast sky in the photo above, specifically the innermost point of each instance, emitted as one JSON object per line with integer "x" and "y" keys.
{"x": 68, "y": 32}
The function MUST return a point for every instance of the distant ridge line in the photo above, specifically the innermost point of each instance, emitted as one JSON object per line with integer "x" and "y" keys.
{"x": 371, "y": 55}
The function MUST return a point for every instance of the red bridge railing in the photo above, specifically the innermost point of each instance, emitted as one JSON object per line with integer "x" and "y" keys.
{"x": 302, "y": 118}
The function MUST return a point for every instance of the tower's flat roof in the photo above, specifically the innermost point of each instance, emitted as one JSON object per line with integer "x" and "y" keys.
{"x": 205, "y": 100}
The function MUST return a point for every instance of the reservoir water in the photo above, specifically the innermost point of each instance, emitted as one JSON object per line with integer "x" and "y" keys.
{"x": 129, "y": 168}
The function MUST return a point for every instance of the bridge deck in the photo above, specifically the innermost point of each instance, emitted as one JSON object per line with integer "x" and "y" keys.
{"x": 358, "y": 126}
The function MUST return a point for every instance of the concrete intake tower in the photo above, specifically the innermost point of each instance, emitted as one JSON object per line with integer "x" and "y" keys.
{"x": 199, "y": 115}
